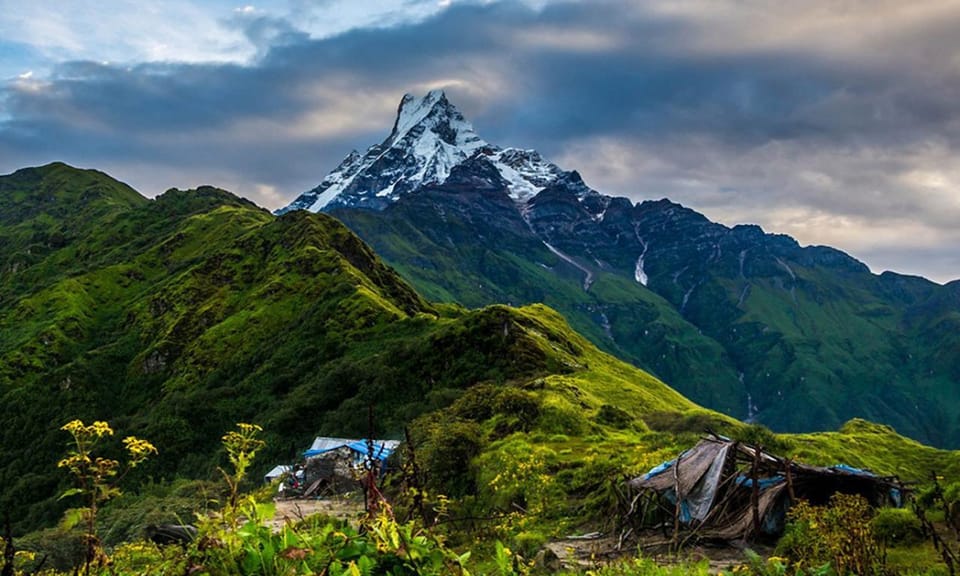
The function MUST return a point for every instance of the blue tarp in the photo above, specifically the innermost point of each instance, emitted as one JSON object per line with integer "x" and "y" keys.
{"x": 658, "y": 470}
{"x": 763, "y": 482}
{"x": 854, "y": 471}
{"x": 685, "y": 515}
{"x": 381, "y": 450}
{"x": 896, "y": 497}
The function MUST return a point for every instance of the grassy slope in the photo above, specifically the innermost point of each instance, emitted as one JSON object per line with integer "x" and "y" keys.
{"x": 449, "y": 257}
{"x": 176, "y": 317}
{"x": 562, "y": 464}
{"x": 840, "y": 349}
{"x": 812, "y": 336}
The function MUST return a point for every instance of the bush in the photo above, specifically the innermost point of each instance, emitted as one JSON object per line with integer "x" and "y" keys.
{"x": 55, "y": 548}
{"x": 123, "y": 519}
{"x": 515, "y": 477}
{"x": 447, "y": 452}
{"x": 695, "y": 422}
{"x": 476, "y": 404}
{"x": 840, "y": 534}
{"x": 897, "y": 526}
{"x": 518, "y": 404}
{"x": 613, "y": 416}
{"x": 563, "y": 421}
{"x": 951, "y": 493}
{"x": 528, "y": 542}
{"x": 759, "y": 435}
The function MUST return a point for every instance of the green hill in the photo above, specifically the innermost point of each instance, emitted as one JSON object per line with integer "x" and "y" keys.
{"x": 176, "y": 317}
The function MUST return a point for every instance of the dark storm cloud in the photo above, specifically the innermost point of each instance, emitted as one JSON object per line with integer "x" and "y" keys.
{"x": 638, "y": 87}
{"x": 715, "y": 111}
{"x": 151, "y": 97}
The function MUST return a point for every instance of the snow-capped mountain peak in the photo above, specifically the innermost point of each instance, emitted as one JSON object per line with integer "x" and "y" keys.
{"x": 435, "y": 114}
{"x": 429, "y": 138}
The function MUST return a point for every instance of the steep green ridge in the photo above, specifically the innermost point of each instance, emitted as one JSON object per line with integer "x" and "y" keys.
{"x": 176, "y": 317}
{"x": 453, "y": 247}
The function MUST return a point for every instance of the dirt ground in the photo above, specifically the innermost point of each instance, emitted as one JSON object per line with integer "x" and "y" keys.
{"x": 588, "y": 552}
{"x": 291, "y": 510}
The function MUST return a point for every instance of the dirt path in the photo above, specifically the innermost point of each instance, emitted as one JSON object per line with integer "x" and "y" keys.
{"x": 574, "y": 552}
{"x": 295, "y": 509}
{"x": 593, "y": 552}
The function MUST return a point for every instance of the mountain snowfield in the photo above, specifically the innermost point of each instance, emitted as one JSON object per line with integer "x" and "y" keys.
{"x": 429, "y": 138}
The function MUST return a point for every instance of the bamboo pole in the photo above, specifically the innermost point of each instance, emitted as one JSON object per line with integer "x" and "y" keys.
{"x": 755, "y": 493}
{"x": 787, "y": 465}
{"x": 676, "y": 508}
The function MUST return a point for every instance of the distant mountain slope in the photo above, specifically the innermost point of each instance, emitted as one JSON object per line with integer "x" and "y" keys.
{"x": 174, "y": 318}
{"x": 798, "y": 338}
{"x": 466, "y": 243}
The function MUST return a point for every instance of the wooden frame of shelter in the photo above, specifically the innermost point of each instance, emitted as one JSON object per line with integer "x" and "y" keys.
{"x": 726, "y": 490}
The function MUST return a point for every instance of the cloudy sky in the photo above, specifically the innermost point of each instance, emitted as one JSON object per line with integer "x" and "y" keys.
{"x": 837, "y": 122}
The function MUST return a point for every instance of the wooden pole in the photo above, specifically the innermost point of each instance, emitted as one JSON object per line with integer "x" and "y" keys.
{"x": 755, "y": 493}
{"x": 676, "y": 508}
{"x": 369, "y": 485}
{"x": 413, "y": 478}
{"x": 787, "y": 465}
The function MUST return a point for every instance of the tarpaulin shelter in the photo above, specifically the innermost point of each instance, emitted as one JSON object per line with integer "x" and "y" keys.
{"x": 335, "y": 465}
{"x": 276, "y": 472}
{"x": 729, "y": 490}
{"x": 362, "y": 449}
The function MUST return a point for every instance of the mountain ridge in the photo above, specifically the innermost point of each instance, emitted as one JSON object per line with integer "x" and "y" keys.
{"x": 744, "y": 321}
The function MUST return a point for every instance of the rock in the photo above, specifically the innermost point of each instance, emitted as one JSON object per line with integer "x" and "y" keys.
{"x": 548, "y": 560}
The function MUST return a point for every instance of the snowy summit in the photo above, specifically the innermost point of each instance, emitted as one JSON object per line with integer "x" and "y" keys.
{"x": 429, "y": 138}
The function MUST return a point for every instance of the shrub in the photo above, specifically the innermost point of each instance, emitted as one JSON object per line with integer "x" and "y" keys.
{"x": 56, "y": 548}
{"x": 613, "y": 416}
{"x": 841, "y": 534}
{"x": 560, "y": 420}
{"x": 447, "y": 453}
{"x": 516, "y": 478}
{"x": 951, "y": 492}
{"x": 695, "y": 421}
{"x": 124, "y": 518}
{"x": 759, "y": 435}
{"x": 518, "y": 404}
{"x": 897, "y": 526}
{"x": 476, "y": 404}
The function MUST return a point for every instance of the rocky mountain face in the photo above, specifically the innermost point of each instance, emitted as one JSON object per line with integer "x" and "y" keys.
{"x": 429, "y": 138}
{"x": 746, "y": 322}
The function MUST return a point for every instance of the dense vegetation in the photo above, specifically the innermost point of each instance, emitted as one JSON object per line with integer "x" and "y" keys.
{"x": 400, "y": 536}
{"x": 174, "y": 318}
